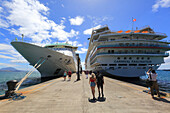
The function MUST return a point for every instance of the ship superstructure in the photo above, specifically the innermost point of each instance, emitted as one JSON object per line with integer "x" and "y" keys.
{"x": 125, "y": 53}
{"x": 61, "y": 57}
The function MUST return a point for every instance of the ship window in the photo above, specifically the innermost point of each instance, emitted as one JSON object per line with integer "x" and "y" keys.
{"x": 122, "y": 64}
{"x": 121, "y": 44}
{"x": 142, "y": 64}
{"x": 119, "y": 67}
{"x": 144, "y": 67}
{"x": 108, "y": 51}
{"x": 125, "y": 58}
{"x": 148, "y": 58}
{"x": 112, "y": 64}
{"x": 142, "y": 58}
{"x": 132, "y": 64}
{"x": 112, "y": 51}
{"x": 118, "y": 57}
{"x": 130, "y": 57}
{"x": 150, "y": 64}
{"x": 127, "y": 44}
{"x": 104, "y": 64}
{"x": 137, "y": 58}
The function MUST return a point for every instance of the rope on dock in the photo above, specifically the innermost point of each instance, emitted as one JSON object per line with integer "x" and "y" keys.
{"x": 36, "y": 66}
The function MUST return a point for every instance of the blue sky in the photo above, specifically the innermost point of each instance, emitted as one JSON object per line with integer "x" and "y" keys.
{"x": 49, "y": 21}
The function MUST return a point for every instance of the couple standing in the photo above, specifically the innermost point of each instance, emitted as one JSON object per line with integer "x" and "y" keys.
{"x": 96, "y": 80}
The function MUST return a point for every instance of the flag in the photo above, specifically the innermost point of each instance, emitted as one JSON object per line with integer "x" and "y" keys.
{"x": 134, "y": 20}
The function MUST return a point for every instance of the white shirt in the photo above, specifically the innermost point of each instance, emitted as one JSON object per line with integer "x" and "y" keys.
{"x": 153, "y": 76}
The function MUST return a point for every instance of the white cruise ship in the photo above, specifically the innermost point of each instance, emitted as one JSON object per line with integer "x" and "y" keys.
{"x": 125, "y": 53}
{"x": 62, "y": 57}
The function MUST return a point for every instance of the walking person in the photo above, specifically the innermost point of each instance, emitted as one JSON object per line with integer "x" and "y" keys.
{"x": 69, "y": 75}
{"x": 152, "y": 77}
{"x": 100, "y": 82}
{"x": 92, "y": 82}
{"x": 65, "y": 74}
{"x": 86, "y": 72}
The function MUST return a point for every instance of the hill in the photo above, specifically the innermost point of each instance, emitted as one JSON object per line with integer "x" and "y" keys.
{"x": 9, "y": 69}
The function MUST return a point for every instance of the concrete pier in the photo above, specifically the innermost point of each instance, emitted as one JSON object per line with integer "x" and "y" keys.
{"x": 58, "y": 96}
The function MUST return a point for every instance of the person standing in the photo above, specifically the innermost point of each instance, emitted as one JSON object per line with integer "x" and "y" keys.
{"x": 65, "y": 74}
{"x": 92, "y": 82}
{"x": 69, "y": 75}
{"x": 152, "y": 77}
{"x": 100, "y": 82}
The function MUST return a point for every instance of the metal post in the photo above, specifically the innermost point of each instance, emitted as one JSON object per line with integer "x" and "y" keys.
{"x": 78, "y": 66}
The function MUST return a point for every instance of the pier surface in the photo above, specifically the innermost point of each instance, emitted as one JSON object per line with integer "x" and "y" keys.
{"x": 58, "y": 96}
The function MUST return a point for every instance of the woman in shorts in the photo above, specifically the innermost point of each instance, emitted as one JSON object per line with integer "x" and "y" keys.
{"x": 92, "y": 82}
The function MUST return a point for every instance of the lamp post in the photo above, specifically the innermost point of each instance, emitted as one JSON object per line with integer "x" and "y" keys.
{"x": 78, "y": 67}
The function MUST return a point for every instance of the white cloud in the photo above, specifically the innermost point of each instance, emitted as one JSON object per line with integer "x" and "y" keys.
{"x": 1, "y": 9}
{"x": 99, "y": 20}
{"x": 83, "y": 65}
{"x": 89, "y": 31}
{"x": 62, "y": 5}
{"x": 83, "y": 50}
{"x": 7, "y": 65}
{"x": 160, "y": 3}
{"x": 75, "y": 43}
{"x": 77, "y": 20}
{"x": 79, "y": 45}
{"x": 8, "y": 52}
{"x": 29, "y": 17}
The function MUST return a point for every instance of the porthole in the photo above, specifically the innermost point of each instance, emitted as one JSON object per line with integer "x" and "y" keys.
{"x": 137, "y": 58}
{"x": 118, "y": 58}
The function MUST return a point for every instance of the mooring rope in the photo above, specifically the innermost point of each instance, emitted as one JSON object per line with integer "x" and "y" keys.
{"x": 36, "y": 66}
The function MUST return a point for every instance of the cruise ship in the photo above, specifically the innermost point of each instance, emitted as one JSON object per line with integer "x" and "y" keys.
{"x": 59, "y": 57}
{"x": 125, "y": 53}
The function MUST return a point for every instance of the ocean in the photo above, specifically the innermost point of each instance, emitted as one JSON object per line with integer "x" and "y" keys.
{"x": 163, "y": 80}
{"x": 33, "y": 79}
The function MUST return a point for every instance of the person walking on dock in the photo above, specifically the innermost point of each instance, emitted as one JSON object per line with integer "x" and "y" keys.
{"x": 65, "y": 74}
{"x": 100, "y": 82}
{"x": 92, "y": 82}
{"x": 152, "y": 77}
{"x": 86, "y": 72}
{"x": 69, "y": 75}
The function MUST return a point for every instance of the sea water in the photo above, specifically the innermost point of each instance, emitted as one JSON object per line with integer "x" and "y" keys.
{"x": 33, "y": 79}
{"x": 163, "y": 80}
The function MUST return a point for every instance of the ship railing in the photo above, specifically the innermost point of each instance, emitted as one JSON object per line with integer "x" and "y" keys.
{"x": 161, "y": 53}
{"x": 27, "y": 41}
{"x": 132, "y": 32}
{"x": 136, "y": 45}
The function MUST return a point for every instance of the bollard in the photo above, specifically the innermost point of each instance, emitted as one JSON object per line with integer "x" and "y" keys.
{"x": 11, "y": 88}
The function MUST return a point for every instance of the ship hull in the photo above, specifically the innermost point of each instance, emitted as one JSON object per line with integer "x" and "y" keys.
{"x": 55, "y": 62}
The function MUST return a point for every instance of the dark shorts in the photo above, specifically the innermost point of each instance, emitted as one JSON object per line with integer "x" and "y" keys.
{"x": 92, "y": 84}
{"x": 69, "y": 75}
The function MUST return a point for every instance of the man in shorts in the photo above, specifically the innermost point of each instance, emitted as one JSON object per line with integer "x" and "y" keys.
{"x": 69, "y": 75}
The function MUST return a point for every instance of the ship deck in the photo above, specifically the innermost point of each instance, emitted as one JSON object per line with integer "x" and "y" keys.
{"x": 58, "y": 96}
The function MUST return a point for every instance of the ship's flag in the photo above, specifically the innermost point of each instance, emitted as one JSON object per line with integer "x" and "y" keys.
{"x": 134, "y": 20}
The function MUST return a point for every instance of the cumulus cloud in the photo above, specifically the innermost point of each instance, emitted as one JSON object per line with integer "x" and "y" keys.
{"x": 160, "y": 3}
{"x": 78, "y": 20}
{"x": 83, "y": 50}
{"x": 8, "y": 52}
{"x": 99, "y": 20}
{"x": 30, "y": 17}
{"x": 75, "y": 43}
{"x": 89, "y": 31}
{"x": 8, "y": 65}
